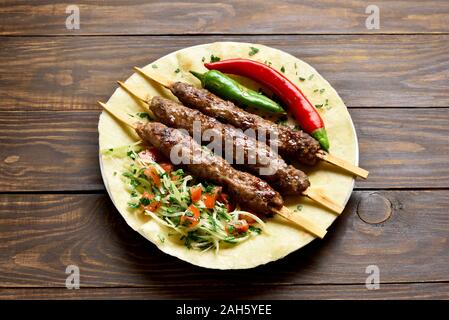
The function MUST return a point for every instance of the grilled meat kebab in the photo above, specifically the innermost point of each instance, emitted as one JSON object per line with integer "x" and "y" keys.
{"x": 293, "y": 144}
{"x": 250, "y": 191}
{"x": 257, "y": 156}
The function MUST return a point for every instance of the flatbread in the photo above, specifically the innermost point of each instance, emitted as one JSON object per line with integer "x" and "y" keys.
{"x": 281, "y": 237}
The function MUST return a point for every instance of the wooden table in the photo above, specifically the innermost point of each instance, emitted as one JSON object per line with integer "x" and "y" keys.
{"x": 54, "y": 210}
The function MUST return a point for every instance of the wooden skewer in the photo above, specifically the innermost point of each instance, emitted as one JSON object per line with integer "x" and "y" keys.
{"x": 311, "y": 194}
{"x": 284, "y": 212}
{"x": 303, "y": 222}
{"x": 343, "y": 164}
{"x": 320, "y": 198}
{"x": 119, "y": 116}
{"x": 155, "y": 77}
{"x": 145, "y": 100}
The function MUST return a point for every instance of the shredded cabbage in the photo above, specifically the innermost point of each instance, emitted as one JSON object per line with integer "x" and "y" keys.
{"x": 170, "y": 201}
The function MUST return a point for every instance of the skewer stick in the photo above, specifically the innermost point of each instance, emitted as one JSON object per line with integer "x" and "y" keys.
{"x": 345, "y": 165}
{"x": 155, "y": 77}
{"x": 302, "y": 222}
{"x": 320, "y": 198}
{"x": 146, "y": 100}
{"x": 322, "y": 155}
{"x": 133, "y": 93}
{"x": 119, "y": 116}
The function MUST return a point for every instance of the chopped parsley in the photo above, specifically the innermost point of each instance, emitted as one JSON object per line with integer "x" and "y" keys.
{"x": 283, "y": 69}
{"x": 133, "y": 205}
{"x": 154, "y": 66}
{"x": 177, "y": 70}
{"x": 302, "y": 79}
{"x": 322, "y": 90}
{"x": 255, "y": 229}
{"x": 131, "y": 154}
{"x": 214, "y": 58}
{"x": 203, "y": 59}
{"x": 253, "y": 51}
{"x": 319, "y": 106}
{"x": 311, "y": 76}
{"x": 143, "y": 115}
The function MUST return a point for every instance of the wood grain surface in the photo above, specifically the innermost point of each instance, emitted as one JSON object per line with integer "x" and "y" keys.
{"x": 223, "y": 17}
{"x": 58, "y": 151}
{"x": 54, "y": 210}
{"x": 41, "y": 234}
{"x": 71, "y": 73}
{"x": 269, "y": 292}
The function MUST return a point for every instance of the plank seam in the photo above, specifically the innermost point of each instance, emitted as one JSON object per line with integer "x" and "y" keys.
{"x": 224, "y": 34}
{"x": 237, "y": 285}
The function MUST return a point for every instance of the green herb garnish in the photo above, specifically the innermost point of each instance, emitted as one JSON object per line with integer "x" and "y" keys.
{"x": 131, "y": 154}
{"x": 144, "y": 115}
{"x": 214, "y": 58}
{"x": 133, "y": 205}
{"x": 253, "y": 51}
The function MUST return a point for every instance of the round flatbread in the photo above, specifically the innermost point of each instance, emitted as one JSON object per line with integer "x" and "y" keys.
{"x": 281, "y": 237}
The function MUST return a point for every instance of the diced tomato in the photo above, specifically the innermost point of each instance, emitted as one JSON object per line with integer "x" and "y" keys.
{"x": 151, "y": 173}
{"x": 211, "y": 198}
{"x": 239, "y": 226}
{"x": 225, "y": 199}
{"x": 147, "y": 195}
{"x": 192, "y": 219}
{"x": 150, "y": 155}
{"x": 168, "y": 167}
{"x": 247, "y": 219}
{"x": 153, "y": 206}
{"x": 195, "y": 193}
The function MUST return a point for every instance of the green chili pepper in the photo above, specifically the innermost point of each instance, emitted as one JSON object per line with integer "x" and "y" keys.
{"x": 229, "y": 89}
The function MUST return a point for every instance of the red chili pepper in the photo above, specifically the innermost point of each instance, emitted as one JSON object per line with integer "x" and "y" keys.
{"x": 304, "y": 112}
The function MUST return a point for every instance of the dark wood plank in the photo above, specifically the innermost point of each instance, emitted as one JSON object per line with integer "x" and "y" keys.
{"x": 41, "y": 234}
{"x": 236, "y": 16}
{"x": 302, "y": 292}
{"x": 65, "y": 73}
{"x": 58, "y": 151}
{"x": 49, "y": 151}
